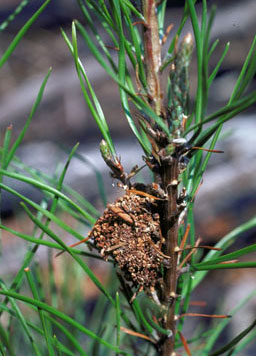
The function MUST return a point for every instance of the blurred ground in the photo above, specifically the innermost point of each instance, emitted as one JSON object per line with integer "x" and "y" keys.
{"x": 227, "y": 196}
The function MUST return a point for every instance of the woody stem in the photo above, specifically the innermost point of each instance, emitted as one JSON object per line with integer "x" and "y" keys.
{"x": 168, "y": 171}
{"x": 170, "y": 226}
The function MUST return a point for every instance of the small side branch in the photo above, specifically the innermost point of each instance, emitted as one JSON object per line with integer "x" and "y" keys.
{"x": 152, "y": 48}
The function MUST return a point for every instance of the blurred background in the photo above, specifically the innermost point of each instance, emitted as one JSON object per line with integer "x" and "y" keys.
{"x": 228, "y": 194}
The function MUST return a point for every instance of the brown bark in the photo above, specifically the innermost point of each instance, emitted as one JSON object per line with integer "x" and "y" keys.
{"x": 170, "y": 221}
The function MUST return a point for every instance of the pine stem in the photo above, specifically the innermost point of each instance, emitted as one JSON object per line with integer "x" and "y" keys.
{"x": 168, "y": 173}
{"x": 170, "y": 231}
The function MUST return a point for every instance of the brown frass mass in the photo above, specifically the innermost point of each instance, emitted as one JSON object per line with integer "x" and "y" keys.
{"x": 129, "y": 232}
